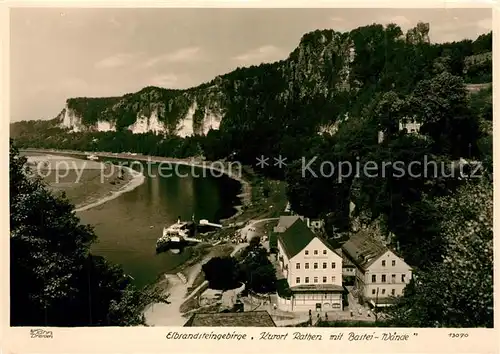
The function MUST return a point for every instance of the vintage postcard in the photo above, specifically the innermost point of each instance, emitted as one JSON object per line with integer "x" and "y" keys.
{"x": 248, "y": 176}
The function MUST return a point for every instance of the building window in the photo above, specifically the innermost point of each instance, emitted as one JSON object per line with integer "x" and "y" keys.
{"x": 373, "y": 291}
{"x": 383, "y": 291}
{"x": 324, "y": 279}
{"x": 307, "y": 252}
{"x": 393, "y": 263}
{"x": 324, "y": 251}
{"x": 383, "y": 278}
{"x": 297, "y": 266}
{"x": 324, "y": 265}
{"x": 315, "y": 279}
{"x": 315, "y": 265}
{"x": 307, "y": 280}
{"x": 374, "y": 278}
{"x": 333, "y": 279}
{"x": 383, "y": 263}
{"x": 402, "y": 278}
{"x": 393, "y": 292}
{"x": 297, "y": 280}
{"x": 315, "y": 252}
{"x": 333, "y": 265}
{"x": 307, "y": 265}
{"x": 393, "y": 278}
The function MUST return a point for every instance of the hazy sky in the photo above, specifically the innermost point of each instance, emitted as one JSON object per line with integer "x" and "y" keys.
{"x": 61, "y": 53}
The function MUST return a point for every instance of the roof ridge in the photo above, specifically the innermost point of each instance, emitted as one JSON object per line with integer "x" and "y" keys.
{"x": 296, "y": 237}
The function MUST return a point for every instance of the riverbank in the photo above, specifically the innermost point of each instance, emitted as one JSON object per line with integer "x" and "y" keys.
{"x": 233, "y": 171}
{"x": 133, "y": 180}
{"x": 85, "y": 183}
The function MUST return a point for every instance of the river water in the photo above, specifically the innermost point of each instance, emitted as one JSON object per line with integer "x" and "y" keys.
{"x": 128, "y": 226}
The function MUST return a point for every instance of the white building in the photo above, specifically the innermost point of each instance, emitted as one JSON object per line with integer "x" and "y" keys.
{"x": 410, "y": 125}
{"x": 380, "y": 274}
{"x": 311, "y": 267}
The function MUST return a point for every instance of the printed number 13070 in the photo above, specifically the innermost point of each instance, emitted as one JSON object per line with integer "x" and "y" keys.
{"x": 458, "y": 335}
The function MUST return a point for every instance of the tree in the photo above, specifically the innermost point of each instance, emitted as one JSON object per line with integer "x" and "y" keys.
{"x": 222, "y": 273}
{"x": 258, "y": 272}
{"x": 440, "y": 104}
{"x": 55, "y": 281}
{"x": 254, "y": 242}
{"x": 390, "y": 109}
{"x": 459, "y": 292}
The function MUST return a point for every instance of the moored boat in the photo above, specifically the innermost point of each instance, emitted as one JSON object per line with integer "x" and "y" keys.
{"x": 175, "y": 234}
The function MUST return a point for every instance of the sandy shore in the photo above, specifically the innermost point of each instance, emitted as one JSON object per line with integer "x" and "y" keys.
{"x": 135, "y": 180}
{"x": 86, "y": 184}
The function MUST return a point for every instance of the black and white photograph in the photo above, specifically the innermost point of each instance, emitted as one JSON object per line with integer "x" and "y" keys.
{"x": 251, "y": 167}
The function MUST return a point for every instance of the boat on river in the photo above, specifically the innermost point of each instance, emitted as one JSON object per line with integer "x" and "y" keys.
{"x": 183, "y": 233}
{"x": 176, "y": 234}
{"x": 92, "y": 157}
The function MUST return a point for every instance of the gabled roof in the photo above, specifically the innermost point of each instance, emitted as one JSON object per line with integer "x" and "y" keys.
{"x": 286, "y": 221}
{"x": 297, "y": 237}
{"x": 363, "y": 249}
{"x": 231, "y": 319}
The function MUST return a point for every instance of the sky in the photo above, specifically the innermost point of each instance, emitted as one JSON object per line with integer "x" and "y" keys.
{"x": 60, "y": 53}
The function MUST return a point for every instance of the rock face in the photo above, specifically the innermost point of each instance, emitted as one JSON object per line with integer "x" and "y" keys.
{"x": 71, "y": 120}
{"x": 152, "y": 109}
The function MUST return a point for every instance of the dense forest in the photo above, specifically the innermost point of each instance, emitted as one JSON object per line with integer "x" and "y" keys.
{"x": 321, "y": 102}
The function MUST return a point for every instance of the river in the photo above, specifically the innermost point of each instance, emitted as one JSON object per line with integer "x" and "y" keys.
{"x": 123, "y": 225}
